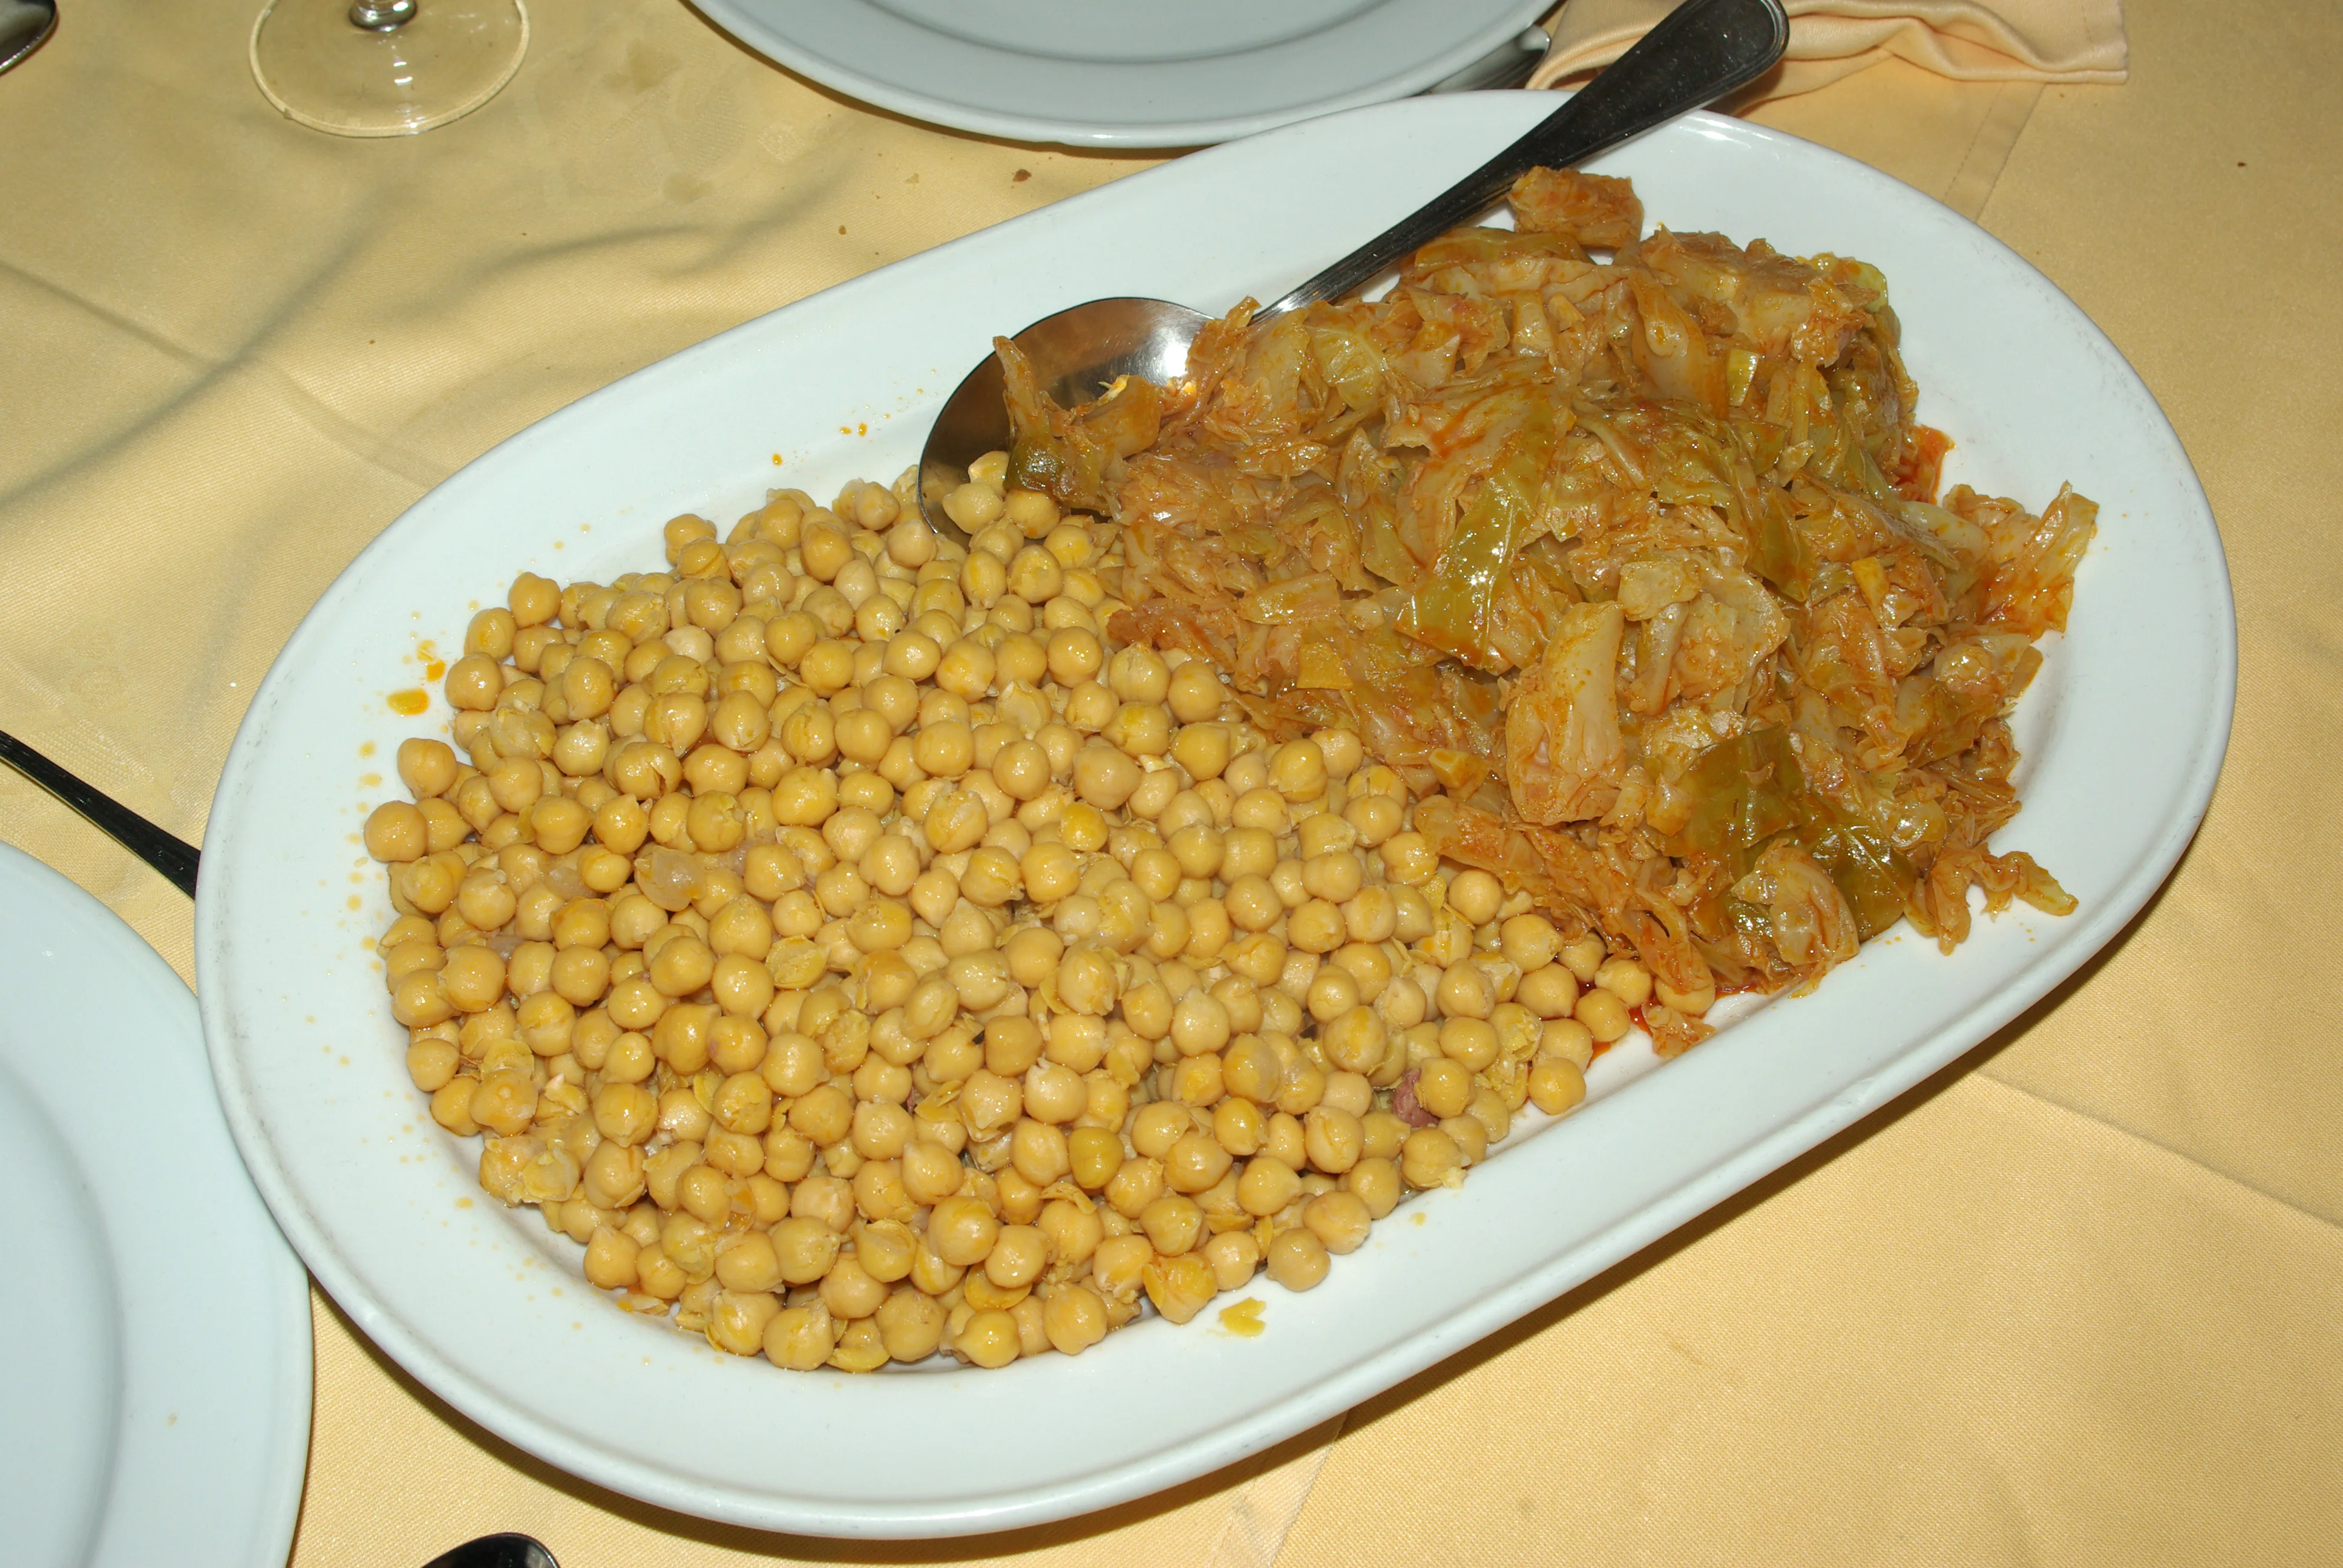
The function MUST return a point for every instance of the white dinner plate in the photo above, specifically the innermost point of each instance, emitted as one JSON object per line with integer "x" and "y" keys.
{"x": 155, "y": 1396}
{"x": 2123, "y": 732}
{"x": 1123, "y": 73}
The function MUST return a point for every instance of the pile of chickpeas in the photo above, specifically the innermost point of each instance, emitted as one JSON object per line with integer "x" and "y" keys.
{"x": 863, "y": 957}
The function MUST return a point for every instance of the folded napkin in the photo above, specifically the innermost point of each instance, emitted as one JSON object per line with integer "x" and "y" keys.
{"x": 1964, "y": 40}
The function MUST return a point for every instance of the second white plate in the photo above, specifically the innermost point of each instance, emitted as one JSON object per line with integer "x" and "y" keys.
{"x": 155, "y": 1395}
{"x": 1124, "y": 73}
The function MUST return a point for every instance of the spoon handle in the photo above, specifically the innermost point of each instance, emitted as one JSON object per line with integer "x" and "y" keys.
{"x": 1699, "y": 52}
{"x": 174, "y": 858}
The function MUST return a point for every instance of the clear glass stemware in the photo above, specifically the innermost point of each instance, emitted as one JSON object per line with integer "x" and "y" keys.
{"x": 386, "y": 67}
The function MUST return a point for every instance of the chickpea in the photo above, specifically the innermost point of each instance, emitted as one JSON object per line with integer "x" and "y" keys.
{"x": 1408, "y": 858}
{"x": 1034, "y": 953}
{"x": 1054, "y": 1094}
{"x": 911, "y": 1322}
{"x": 1232, "y": 1256}
{"x": 1173, "y": 1224}
{"x": 1297, "y": 1259}
{"x": 1316, "y": 927}
{"x": 1095, "y": 1155}
{"x": 428, "y": 767}
{"x": 1412, "y": 914}
{"x": 943, "y": 750}
{"x": 1625, "y": 978}
{"x": 966, "y": 670}
{"x": 1333, "y": 1139}
{"x": 1550, "y": 991}
{"x": 1203, "y": 749}
{"x": 1074, "y": 1319}
{"x": 1238, "y": 1127}
{"x": 1470, "y": 1135}
{"x": 396, "y": 834}
{"x": 611, "y": 1259}
{"x": 1556, "y": 1085}
{"x": 1602, "y": 1014}
{"x": 1253, "y": 1070}
{"x": 1470, "y": 1042}
{"x": 614, "y": 1175}
{"x": 532, "y": 600}
{"x": 961, "y": 1230}
{"x": 1018, "y": 1255}
{"x": 1376, "y": 1182}
{"x": 420, "y": 1000}
{"x": 1136, "y": 1184}
{"x": 849, "y": 1291}
{"x": 1179, "y": 1286}
{"x": 432, "y": 1063}
{"x": 1193, "y": 692}
{"x": 473, "y": 683}
{"x": 1195, "y": 1163}
{"x": 1038, "y": 1151}
{"x": 1584, "y": 957}
{"x": 1339, "y": 1220}
{"x": 1023, "y": 769}
{"x": 1685, "y": 1001}
{"x": 800, "y": 1337}
{"x": 472, "y": 979}
{"x": 1268, "y": 1185}
{"x": 1476, "y": 895}
{"x": 1105, "y": 778}
{"x": 989, "y": 1339}
{"x": 1297, "y": 770}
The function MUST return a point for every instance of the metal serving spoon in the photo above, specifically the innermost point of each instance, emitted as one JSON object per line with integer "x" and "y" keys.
{"x": 1700, "y": 51}
{"x": 24, "y": 26}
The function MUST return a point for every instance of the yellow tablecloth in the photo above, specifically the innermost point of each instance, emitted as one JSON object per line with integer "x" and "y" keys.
{"x": 2074, "y": 1301}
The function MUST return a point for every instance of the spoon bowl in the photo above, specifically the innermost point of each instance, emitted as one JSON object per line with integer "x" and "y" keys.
{"x": 1699, "y": 52}
{"x": 1080, "y": 352}
{"x": 24, "y": 26}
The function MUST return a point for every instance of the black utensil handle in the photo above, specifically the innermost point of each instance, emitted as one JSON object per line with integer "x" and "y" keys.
{"x": 175, "y": 858}
{"x": 1699, "y": 52}
{"x": 510, "y": 1550}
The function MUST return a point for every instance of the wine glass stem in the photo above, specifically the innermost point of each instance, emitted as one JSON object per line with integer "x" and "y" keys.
{"x": 382, "y": 16}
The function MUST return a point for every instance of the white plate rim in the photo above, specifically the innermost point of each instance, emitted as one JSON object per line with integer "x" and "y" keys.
{"x": 183, "y": 1328}
{"x": 1734, "y": 1163}
{"x": 859, "y": 49}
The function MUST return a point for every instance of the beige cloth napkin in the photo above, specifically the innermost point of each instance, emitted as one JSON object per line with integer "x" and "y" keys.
{"x": 1967, "y": 41}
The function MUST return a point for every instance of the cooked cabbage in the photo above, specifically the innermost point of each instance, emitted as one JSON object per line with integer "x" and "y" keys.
{"x": 1635, "y": 568}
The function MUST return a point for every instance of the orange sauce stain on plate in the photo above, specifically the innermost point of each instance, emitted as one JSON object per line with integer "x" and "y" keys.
{"x": 1243, "y": 1319}
{"x": 409, "y": 701}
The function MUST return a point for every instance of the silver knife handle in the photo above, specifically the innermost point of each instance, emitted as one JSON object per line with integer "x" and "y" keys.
{"x": 1699, "y": 52}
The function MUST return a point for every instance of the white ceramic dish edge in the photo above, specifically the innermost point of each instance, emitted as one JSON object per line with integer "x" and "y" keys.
{"x": 1641, "y": 1217}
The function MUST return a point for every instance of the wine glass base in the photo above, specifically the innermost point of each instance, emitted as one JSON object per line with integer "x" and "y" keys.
{"x": 321, "y": 69}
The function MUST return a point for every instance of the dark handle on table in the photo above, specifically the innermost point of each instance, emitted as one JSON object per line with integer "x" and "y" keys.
{"x": 175, "y": 858}
{"x": 510, "y": 1550}
{"x": 1699, "y": 52}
